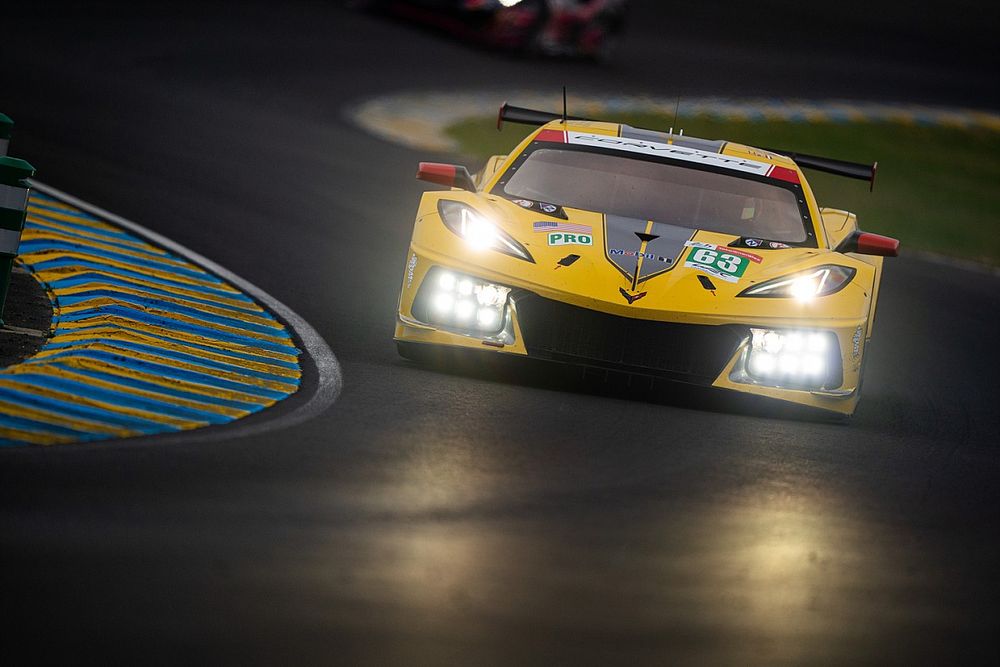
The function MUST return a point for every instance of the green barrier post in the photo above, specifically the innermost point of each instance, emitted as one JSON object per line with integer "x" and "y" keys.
{"x": 6, "y": 130}
{"x": 13, "y": 207}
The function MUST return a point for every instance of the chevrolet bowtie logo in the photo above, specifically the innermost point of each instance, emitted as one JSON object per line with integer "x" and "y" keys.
{"x": 631, "y": 298}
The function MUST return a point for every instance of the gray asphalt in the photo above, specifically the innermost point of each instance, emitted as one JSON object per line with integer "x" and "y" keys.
{"x": 487, "y": 517}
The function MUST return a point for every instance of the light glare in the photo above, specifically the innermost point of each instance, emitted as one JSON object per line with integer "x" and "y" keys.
{"x": 487, "y": 318}
{"x": 443, "y": 302}
{"x": 803, "y": 288}
{"x": 763, "y": 363}
{"x": 489, "y": 295}
{"x": 772, "y": 342}
{"x": 447, "y": 282}
{"x": 477, "y": 232}
{"x": 789, "y": 363}
{"x": 812, "y": 365}
{"x": 464, "y": 310}
{"x": 817, "y": 342}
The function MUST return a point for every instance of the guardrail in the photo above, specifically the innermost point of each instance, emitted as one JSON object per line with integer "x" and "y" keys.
{"x": 14, "y": 173}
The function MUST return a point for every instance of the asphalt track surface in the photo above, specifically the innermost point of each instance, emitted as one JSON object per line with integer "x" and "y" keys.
{"x": 490, "y": 517}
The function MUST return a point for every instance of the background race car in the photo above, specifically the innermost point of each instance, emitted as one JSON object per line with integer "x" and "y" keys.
{"x": 567, "y": 28}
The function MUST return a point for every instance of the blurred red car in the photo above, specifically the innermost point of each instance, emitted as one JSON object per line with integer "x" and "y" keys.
{"x": 564, "y": 28}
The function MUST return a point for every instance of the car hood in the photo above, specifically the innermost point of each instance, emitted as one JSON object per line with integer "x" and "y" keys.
{"x": 647, "y": 268}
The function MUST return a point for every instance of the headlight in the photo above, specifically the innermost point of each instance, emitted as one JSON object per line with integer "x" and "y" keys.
{"x": 794, "y": 359}
{"x": 462, "y": 303}
{"x": 821, "y": 281}
{"x": 478, "y": 232}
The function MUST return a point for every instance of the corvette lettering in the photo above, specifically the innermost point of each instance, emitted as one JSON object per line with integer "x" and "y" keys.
{"x": 410, "y": 267}
{"x": 670, "y": 151}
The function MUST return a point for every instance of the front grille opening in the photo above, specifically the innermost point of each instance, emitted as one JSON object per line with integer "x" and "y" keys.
{"x": 561, "y": 332}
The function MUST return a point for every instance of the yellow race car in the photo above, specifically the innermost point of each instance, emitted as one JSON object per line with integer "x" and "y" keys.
{"x": 647, "y": 253}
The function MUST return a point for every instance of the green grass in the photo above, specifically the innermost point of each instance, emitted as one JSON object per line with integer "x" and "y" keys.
{"x": 938, "y": 188}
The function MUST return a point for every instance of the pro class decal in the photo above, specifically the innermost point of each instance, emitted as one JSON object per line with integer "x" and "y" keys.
{"x": 724, "y": 263}
{"x": 565, "y": 238}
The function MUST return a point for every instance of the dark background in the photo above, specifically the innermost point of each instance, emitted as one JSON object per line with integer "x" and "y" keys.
{"x": 436, "y": 518}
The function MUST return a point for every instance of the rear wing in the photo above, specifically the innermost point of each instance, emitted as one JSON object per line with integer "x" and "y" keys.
{"x": 858, "y": 170}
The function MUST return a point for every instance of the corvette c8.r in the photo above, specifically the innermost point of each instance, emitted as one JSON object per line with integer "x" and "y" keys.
{"x": 649, "y": 253}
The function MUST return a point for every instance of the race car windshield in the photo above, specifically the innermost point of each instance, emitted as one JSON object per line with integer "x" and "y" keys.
{"x": 658, "y": 191}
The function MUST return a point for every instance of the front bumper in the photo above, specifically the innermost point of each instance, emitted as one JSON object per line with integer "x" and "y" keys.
{"x": 708, "y": 354}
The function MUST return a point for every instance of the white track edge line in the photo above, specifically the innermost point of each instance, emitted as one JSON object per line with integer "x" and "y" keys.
{"x": 330, "y": 378}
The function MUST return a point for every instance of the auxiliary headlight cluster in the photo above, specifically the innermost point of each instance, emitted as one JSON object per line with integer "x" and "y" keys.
{"x": 463, "y": 302}
{"x": 806, "y": 359}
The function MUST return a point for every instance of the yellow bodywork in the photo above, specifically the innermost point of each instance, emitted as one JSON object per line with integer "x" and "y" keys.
{"x": 675, "y": 295}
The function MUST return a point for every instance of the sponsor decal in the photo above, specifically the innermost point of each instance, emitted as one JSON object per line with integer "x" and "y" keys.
{"x": 565, "y": 238}
{"x": 553, "y": 226}
{"x": 744, "y": 242}
{"x": 410, "y": 267}
{"x": 756, "y": 259}
{"x": 631, "y": 298}
{"x": 548, "y": 209}
{"x": 672, "y": 151}
{"x": 644, "y": 255}
{"x": 724, "y": 263}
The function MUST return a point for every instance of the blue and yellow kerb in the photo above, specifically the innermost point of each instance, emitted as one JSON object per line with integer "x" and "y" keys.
{"x": 143, "y": 341}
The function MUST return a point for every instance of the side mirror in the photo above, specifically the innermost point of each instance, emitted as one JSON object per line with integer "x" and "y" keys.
{"x": 450, "y": 175}
{"x": 866, "y": 243}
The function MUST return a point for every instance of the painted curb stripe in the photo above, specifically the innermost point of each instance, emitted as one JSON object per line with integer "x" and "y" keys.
{"x": 119, "y": 314}
{"x": 163, "y": 394}
{"x": 58, "y": 279}
{"x": 104, "y": 297}
{"x": 157, "y": 384}
{"x": 50, "y": 260}
{"x": 53, "y": 246}
{"x": 171, "y": 335}
{"x": 85, "y": 335}
{"x": 143, "y": 340}
{"x": 86, "y": 289}
{"x": 127, "y": 349}
{"x": 46, "y": 221}
{"x": 265, "y": 371}
{"x": 179, "y": 371}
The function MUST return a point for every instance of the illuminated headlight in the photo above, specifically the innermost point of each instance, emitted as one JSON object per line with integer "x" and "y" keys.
{"x": 478, "y": 232}
{"x": 798, "y": 359}
{"x": 465, "y": 303}
{"x": 804, "y": 286}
